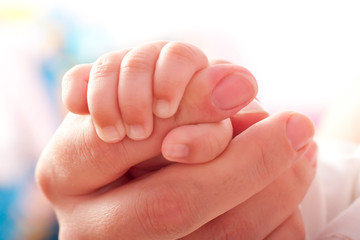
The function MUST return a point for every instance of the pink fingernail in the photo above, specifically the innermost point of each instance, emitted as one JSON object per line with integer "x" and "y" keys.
{"x": 162, "y": 108}
{"x": 136, "y": 132}
{"x": 176, "y": 151}
{"x": 111, "y": 134}
{"x": 234, "y": 90}
{"x": 299, "y": 130}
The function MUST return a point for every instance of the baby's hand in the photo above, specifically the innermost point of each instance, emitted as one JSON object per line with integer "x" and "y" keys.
{"x": 125, "y": 88}
{"x": 122, "y": 90}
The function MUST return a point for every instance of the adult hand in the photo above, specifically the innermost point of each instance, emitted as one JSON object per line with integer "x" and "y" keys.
{"x": 89, "y": 184}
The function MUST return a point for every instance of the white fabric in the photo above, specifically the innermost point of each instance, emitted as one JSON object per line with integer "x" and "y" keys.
{"x": 331, "y": 208}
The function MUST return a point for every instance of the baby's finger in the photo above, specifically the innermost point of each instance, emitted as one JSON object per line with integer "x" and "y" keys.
{"x": 135, "y": 89}
{"x": 197, "y": 143}
{"x": 74, "y": 89}
{"x": 292, "y": 228}
{"x": 176, "y": 65}
{"x": 102, "y": 97}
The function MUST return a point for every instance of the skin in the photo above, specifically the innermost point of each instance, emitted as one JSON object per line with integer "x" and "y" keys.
{"x": 105, "y": 188}
{"x": 123, "y": 89}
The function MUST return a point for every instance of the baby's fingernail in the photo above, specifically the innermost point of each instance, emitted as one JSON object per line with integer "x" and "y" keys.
{"x": 234, "y": 90}
{"x": 136, "y": 132}
{"x": 299, "y": 130}
{"x": 162, "y": 108}
{"x": 110, "y": 134}
{"x": 175, "y": 151}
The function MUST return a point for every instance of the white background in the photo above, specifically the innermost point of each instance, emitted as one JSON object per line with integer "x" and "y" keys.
{"x": 301, "y": 52}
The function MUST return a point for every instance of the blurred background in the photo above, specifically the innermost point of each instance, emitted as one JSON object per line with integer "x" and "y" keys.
{"x": 303, "y": 54}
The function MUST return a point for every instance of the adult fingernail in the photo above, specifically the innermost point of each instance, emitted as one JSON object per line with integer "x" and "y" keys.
{"x": 311, "y": 154}
{"x": 175, "y": 151}
{"x": 234, "y": 90}
{"x": 162, "y": 108}
{"x": 299, "y": 130}
{"x": 110, "y": 134}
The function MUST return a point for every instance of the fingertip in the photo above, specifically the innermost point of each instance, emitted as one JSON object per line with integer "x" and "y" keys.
{"x": 74, "y": 89}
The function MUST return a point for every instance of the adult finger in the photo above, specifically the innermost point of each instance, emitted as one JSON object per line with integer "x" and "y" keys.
{"x": 197, "y": 143}
{"x": 74, "y": 88}
{"x": 292, "y": 228}
{"x": 264, "y": 212}
{"x": 163, "y": 206}
{"x": 249, "y": 164}
{"x": 76, "y": 161}
{"x": 176, "y": 65}
{"x": 102, "y": 96}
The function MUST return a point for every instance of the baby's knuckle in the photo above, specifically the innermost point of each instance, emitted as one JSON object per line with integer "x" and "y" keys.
{"x": 104, "y": 67}
{"x": 183, "y": 51}
{"x": 137, "y": 63}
